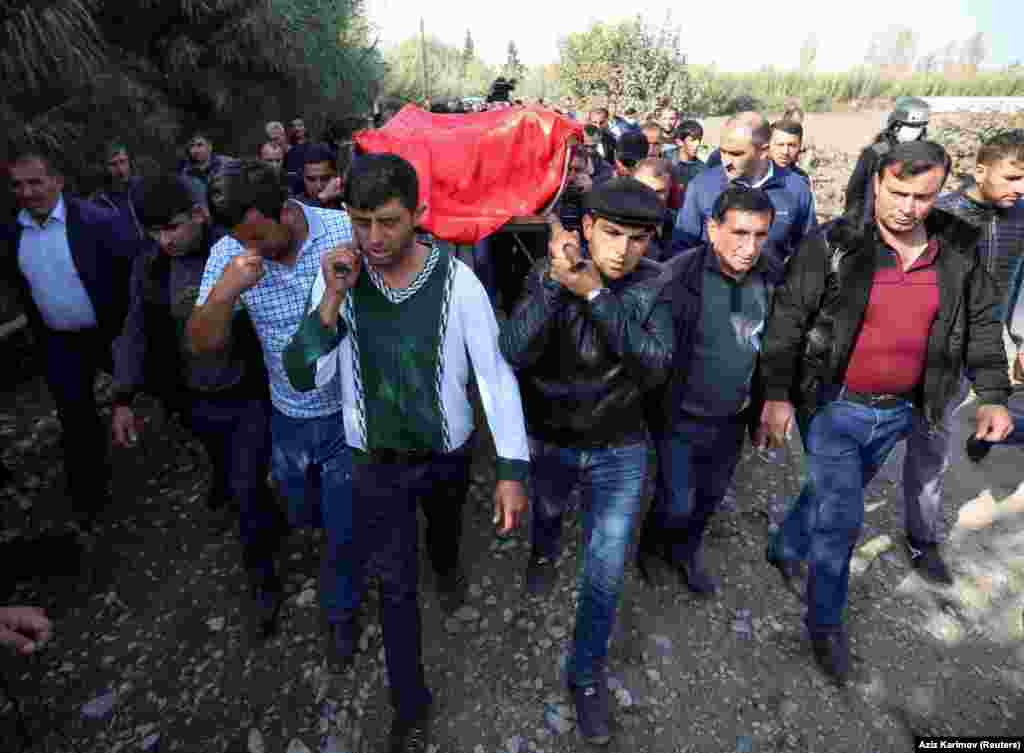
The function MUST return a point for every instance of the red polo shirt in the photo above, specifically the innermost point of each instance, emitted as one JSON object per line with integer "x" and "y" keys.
{"x": 889, "y": 355}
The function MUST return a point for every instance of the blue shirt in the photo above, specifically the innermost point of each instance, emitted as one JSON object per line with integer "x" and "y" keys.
{"x": 795, "y": 214}
{"x": 277, "y": 306}
{"x": 44, "y": 257}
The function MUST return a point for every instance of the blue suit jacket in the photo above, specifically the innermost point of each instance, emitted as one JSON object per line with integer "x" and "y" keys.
{"x": 102, "y": 249}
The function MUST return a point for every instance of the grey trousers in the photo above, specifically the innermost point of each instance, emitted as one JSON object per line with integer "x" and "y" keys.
{"x": 927, "y": 458}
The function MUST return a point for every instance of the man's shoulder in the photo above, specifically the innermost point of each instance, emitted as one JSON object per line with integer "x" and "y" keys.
{"x": 89, "y": 213}
{"x": 335, "y": 221}
{"x": 227, "y": 247}
{"x": 793, "y": 183}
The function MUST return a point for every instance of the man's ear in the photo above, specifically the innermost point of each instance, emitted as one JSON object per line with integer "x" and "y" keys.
{"x": 713, "y": 229}
{"x": 587, "y": 225}
{"x": 980, "y": 171}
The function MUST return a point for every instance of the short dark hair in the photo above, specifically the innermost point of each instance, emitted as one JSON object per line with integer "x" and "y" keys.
{"x": 161, "y": 198}
{"x": 913, "y": 158}
{"x": 376, "y": 179}
{"x": 114, "y": 148}
{"x": 271, "y": 144}
{"x": 317, "y": 153}
{"x": 650, "y": 125}
{"x": 689, "y": 128}
{"x": 742, "y": 198}
{"x": 789, "y": 126}
{"x": 50, "y": 159}
{"x": 248, "y": 184}
{"x": 199, "y": 135}
{"x": 1004, "y": 145}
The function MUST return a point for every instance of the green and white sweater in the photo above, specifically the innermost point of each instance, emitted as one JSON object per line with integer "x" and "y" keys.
{"x": 403, "y": 357}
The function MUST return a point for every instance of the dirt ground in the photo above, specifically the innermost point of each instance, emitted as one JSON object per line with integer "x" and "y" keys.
{"x": 150, "y": 651}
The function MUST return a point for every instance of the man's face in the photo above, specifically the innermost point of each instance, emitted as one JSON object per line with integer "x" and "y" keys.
{"x": 669, "y": 119}
{"x": 181, "y": 235}
{"x": 119, "y": 167}
{"x": 740, "y": 157}
{"x": 35, "y": 189}
{"x": 616, "y": 249}
{"x": 738, "y": 239}
{"x": 273, "y": 155}
{"x": 901, "y": 204}
{"x": 689, "y": 147}
{"x": 1001, "y": 183}
{"x": 270, "y": 238}
{"x": 387, "y": 234}
{"x": 653, "y": 136}
{"x": 276, "y": 136}
{"x": 785, "y": 148}
{"x": 316, "y": 176}
{"x": 598, "y": 119}
{"x": 580, "y": 167}
{"x": 298, "y": 128}
{"x": 659, "y": 184}
{"x": 199, "y": 151}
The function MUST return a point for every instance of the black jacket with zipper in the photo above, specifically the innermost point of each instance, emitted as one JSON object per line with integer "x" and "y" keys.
{"x": 584, "y": 368}
{"x": 820, "y": 307}
{"x": 1001, "y": 246}
{"x": 683, "y": 286}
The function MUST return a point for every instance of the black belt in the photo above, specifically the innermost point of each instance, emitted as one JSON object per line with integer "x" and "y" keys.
{"x": 389, "y": 456}
{"x": 880, "y": 400}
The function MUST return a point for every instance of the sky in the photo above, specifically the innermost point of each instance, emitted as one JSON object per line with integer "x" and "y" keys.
{"x": 749, "y": 36}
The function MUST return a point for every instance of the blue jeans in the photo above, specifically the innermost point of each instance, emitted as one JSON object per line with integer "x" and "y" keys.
{"x": 611, "y": 481}
{"x": 236, "y": 436}
{"x": 315, "y": 448}
{"x": 386, "y": 518}
{"x": 846, "y": 443}
{"x": 695, "y": 465}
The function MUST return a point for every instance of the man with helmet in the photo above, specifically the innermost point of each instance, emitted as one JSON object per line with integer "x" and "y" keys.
{"x": 908, "y": 121}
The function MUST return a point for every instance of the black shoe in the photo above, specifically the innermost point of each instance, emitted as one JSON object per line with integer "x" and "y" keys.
{"x": 410, "y": 736}
{"x": 651, "y": 559}
{"x": 928, "y": 562}
{"x": 977, "y": 449}
{"x": 343, "y": 638}
{"x": 540, "y": 575}
{"x": 832, "y": 652}
{"x": 592, "y": 712}
{"x": 697, "y": 578}
{"x": 451, "y": 590}
{"x": 267, "y": 599}
{"x": 791, "y": 572}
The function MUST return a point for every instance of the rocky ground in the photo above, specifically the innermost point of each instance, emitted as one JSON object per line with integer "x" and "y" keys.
{"x": 150, "y": 651}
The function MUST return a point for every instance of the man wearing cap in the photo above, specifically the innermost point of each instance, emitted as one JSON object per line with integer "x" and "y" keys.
{"x": 721, "y": 296}
{"x": 907, "y": 122}
{"x": 631, "y": 147}
{"x": 589, "y": 338}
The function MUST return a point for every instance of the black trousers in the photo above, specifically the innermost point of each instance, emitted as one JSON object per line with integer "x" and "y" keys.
{"x": 72, "y": 361}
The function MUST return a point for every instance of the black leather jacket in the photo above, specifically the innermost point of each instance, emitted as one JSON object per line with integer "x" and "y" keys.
{"x": 583, "y": 367}
{"x": 820, "y": 307}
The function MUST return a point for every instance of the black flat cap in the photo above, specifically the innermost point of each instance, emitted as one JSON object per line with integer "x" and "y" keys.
{"x": 632, "y": 145}
{"x": 626, "y": 201}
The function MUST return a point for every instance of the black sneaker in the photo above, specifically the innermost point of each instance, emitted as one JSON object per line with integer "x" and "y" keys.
{"x": 651, "y": 559}
{"x": 928, "y": 562}
{"x": 410, "y": 736}
{"x": 451, "y": 590}
{"x": 342, "y": 644}
{"x": 832, "y": 652}
{"x": 267, "y": 599}
{"x": 697, "y": 578}
{"x": 977, "y": 449}
{"x": 540, "y": 575}
{"x": 592, "y": 712}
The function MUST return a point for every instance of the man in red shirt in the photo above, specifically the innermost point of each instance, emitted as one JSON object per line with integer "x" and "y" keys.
{"x": 870, "y": 335}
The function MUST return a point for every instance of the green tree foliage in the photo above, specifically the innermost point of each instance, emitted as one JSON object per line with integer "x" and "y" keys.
{"x": 627, "y": 64}
{"x": 451, "y": 75}
{"x": 513, "y": 66}
{"x": 78, "y": 73}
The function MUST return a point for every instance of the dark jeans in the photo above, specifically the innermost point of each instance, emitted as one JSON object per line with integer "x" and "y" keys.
{"x": 846, "y": 443}
{"x": 695, "y": 465}
{"x": 485, "y": 267}
{"x": 611, "y": 481}
{"x": 312, "y": 465}
{"x": 386, "y": 496}
{"x": 73, "y": 359}
{"x": 236, "y": 436}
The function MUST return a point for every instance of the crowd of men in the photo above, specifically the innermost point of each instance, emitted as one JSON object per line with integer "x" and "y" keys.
{"x": 289, "y": 310}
